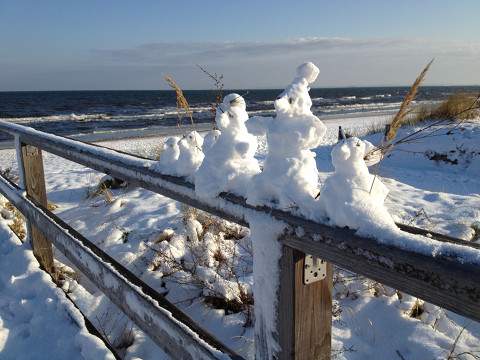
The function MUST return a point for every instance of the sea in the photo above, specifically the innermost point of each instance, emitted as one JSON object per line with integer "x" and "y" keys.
{"x": 110, "y": 112}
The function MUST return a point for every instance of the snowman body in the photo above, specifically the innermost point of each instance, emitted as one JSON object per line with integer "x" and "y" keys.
{"x": 191, "y": 155}
{"x": 352, "y": 196}
{"x": 230, "y": 163}
{"x": 290, "y": 176}
{"x": 168, "y": 157}
{"x": 210, "y": 139}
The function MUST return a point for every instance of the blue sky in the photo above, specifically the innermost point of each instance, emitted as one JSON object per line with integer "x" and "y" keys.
{"x": 108, "y": 44}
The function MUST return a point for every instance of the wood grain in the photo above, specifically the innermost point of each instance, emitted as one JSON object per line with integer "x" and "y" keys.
{"x": 35, "y": 187}
{"x": 304, "y": 311}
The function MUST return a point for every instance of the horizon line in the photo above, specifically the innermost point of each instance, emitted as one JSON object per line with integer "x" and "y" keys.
{"x": 251, "y": 88}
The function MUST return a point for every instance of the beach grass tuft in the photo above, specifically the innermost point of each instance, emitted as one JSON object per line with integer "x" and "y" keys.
{"x": 182, "y": 103}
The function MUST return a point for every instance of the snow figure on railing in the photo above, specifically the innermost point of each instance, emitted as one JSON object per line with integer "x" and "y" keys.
{"x": 210, "y": 139}
{"x": 191, "y": 155}
{"x": 230, "y": 163}
{"x": 168, "y": 157}
{"x": 290, "y": 176}
{"x": 352, "y": 196}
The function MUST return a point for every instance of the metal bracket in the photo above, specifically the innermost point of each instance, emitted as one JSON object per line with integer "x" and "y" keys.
{"x": 314, "y": 269}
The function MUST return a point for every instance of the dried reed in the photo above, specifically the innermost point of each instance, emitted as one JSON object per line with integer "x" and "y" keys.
{"x": 182, "y": 103}
{"x": 399, "y": 118}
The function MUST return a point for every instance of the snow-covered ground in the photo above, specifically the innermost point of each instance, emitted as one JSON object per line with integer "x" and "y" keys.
{"x": 433, "y": 183}
{"x": 37, "y": 321}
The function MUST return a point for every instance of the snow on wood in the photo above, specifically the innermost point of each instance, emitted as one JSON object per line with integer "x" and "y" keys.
{"x": 410, "y": 263}
{"x": 267, "y": 251}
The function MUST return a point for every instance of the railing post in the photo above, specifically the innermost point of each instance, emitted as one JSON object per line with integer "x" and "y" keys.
{"x": 32, "y": 179}
{"x": 304, "y": 311}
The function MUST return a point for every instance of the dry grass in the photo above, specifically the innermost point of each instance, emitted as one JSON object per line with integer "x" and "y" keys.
{"x": 51, "y": 206}
{"x": 400, "y": 117}
{"x": 227, "y": 263}
{"x": 103, "y": 188}
{"x": 417, "y": 309}
{"x": 61, "y": 273}
{"x": 460, "y": 106}
{"x": 182, "y": 104}
{"x": 17, "y": 224}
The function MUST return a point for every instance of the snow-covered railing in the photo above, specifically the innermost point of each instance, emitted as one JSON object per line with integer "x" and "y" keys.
{"x": 443, "y": 278}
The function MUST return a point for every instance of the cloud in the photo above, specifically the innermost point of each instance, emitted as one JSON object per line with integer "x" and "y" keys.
{"x": 267, "y": 64}
{"x": 184, "y": 53}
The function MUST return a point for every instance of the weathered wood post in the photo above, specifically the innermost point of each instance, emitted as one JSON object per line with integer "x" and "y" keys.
{"x": 304, "y": 310}
{"x": 32, "y": 176}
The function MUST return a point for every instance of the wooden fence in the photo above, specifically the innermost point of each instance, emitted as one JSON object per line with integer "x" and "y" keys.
{"x": 304, "y": 312}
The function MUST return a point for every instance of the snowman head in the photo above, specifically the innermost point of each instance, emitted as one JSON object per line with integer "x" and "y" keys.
{"x": 171, "y": 143}
{"x": 234, "y": 100}
{"x": 194, "y": 140}
{"x": 308, "y": 71}
{"x": 348, "y": 154}
{"x": 295, "y": 100}
{"x": 231, "y": 112}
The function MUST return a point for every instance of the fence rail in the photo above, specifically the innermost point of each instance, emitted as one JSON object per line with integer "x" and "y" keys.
{"x": 442, "y": 280}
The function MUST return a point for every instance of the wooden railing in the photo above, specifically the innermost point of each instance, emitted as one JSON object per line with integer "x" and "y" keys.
{"x": 303, "y": 311}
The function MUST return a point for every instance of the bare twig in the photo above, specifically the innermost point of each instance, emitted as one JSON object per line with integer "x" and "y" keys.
{"x": 454, "y": 345}
{"x": 219, "y": 86}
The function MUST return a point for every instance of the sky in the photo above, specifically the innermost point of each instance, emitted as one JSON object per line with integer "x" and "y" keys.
{"x": 124, "y": 44}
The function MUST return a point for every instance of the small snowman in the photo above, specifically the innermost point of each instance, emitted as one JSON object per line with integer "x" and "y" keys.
{"x": 352, "y": 196}
{"x": 168, "y": 157}
{"x": 230, "y": 164}
{"x": 290, "y": 176}
{"x": 210, "y": 139}
{"x": 191, "y": 155}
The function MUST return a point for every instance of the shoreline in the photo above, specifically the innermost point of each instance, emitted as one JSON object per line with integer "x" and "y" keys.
{"x": 171, "y": 130}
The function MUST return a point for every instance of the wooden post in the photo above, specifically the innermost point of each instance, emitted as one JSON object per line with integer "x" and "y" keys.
{"x": 31, "y": 171}
{"x": 304, "y": 311}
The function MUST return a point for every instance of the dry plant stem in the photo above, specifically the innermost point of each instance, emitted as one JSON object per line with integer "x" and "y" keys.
{"x": 375, "y": 172}
{"x": 400, "y": 117}
{"x": 219, "y": 86}
{"x": 182, "y": 103}
{"x": 402, "y": 112}
{"x": 454, "y": 345}
{"x": 404, "y": 139}
{"x": 412, "y": 137}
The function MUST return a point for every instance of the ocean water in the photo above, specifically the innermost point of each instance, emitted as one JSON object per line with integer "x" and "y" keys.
{"x": 74, "y": 112}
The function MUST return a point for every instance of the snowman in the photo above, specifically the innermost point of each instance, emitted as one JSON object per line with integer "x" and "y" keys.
{"x": 168, "y": 157}
{"x": 210, "y": 139}
{"x": 352, "y": 196}
{"x": 290, "y": 176}
{"x": 191, "y": 155}
{"x": 230, "y": 164}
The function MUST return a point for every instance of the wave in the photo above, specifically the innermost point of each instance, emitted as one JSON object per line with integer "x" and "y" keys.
{"x": 265, "y": 102}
